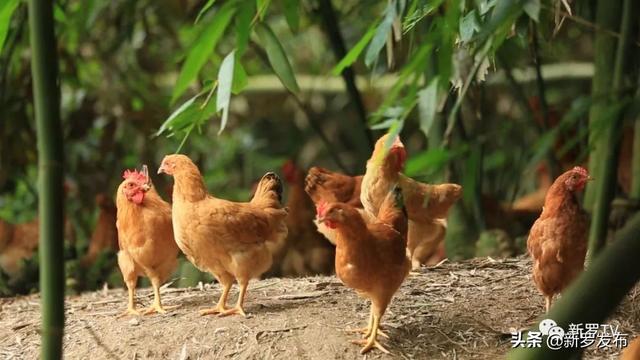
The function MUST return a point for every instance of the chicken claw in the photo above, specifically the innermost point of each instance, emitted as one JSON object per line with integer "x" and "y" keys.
{"x": 366, "y": 332}
{"x": 369, "y": 344}
{"x": 159, "y": 309}
{"x": 219, "y": 309}
{"x": 235, "y": 310}
{"x": 129, "y": 312}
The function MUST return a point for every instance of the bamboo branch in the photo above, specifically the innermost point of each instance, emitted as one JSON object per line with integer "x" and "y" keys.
{"x": 46, "y": 95}
{"x": 607, "y": 17}
{"x": 635, "y": 164}
{"x": 606, "y": 178}
{"x": 313, "y": 121}
{"x": 451, "y": 119}
{"x": 554, "y": 168}
{"x": 332, "y": 29}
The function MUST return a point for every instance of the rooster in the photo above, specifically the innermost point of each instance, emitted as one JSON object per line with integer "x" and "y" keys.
{"x": 145, "y": 237}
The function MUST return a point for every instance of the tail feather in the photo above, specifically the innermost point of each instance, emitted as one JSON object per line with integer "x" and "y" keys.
{"x": 269, "y": 191}
{"x": 393, "y": 212}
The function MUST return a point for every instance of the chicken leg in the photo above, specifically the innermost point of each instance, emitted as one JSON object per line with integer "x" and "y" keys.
{"x": 130, "y": 276}
{"x": 238, "y": 309}
{"x": 131, "y": 304}
{"x": 222, "y": 302}
{"x": 156, "y": 307}
{"x": 372, "y": 340}
{"x": 366, "y": 331}
{"x": 547, "y": 302}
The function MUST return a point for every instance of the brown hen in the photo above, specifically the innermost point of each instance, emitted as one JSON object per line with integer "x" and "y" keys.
{"x": 557, "y": 241}
{"x": 231, "y": 240}
{"x": 371, "y": 258}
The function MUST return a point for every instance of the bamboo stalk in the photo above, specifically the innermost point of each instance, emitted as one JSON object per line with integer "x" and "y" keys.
{"x": 607, "y": 17}
{"x": 332, "y": 28}
{"x": 50, "y": 175}
{"x": 597, "y": 292}
{"x": 635, "y": 164}
{"x": 606, "y": 177}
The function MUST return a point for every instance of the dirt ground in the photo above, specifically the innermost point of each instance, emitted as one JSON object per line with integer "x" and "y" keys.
{"x": 462, "y": 310}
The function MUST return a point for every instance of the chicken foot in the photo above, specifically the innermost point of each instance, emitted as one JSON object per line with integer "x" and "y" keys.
{"x": 372, "y": 340}
{"x": 131, "y": 305}
{"x": 156, "y": 306}
{"x": 220, "y": 308}
{"x": 238, "y": 309}
{"x": 366, "y": 331}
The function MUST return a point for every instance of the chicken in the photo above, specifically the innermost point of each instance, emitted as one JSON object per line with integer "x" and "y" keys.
{"x": 231, "y": 240}
{"x": 557, "y": 241}
{"x": 631, "y": 352}
{"x": 105, "y": 233}
{"x": 324, "y": 186}
{"x": 145, "y": 237}
{"x": 19, "y": 242}
{"x": 371, "y": 258}
{"x": 306, "y": 253}
{"x": 427, "y": 205}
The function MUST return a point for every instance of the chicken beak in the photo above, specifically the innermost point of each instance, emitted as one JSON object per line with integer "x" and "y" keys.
{"x": 161, "y": 169}
{"x": 146, "y": 187}
{"x": 321, "y": 219}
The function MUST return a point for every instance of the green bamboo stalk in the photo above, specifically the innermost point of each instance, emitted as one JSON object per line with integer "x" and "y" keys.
{"x": 607, "y": 18}
{"x": 635, "y": 164}
{"x": 597, "y": 292}
{"x": 50, "y": 175}
{"x": 606, "y": 177}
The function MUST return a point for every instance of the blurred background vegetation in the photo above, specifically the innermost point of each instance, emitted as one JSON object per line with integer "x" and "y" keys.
{"x": 499, "y": 96}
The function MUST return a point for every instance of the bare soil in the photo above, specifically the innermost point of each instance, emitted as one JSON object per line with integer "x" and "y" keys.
{"x": 463, "y": 310}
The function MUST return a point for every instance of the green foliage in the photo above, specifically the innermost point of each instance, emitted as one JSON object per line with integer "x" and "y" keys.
{"x": 129, "y": 70}
{"x": 201, "y": 49}
{"x": 7, "y": 8}
{"x": 277, "y": 57}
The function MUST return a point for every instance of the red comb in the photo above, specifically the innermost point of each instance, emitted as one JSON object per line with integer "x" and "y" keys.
{"x": 580, "y": 170}
{"x": 134, "y": 175}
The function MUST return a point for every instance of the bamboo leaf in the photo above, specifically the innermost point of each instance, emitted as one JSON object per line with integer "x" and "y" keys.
{"x": 246, "y": 10}
{"x": 262, "y": 5}
{"x": 173, "y": 119}
{"x": 431, "y": 161}
{"x": 239, "y": 78}
{"x": 59, "y": 15}
{"x": 502, "y": 15}
{"x": 277, "y": 57}
{"x": 204, "y": 9}
{"x": 291, "y": 13}
{"x": 178, "y": 120}
{"x": 381, "y": 35}
{"x": 532, "y": 8}
{"x": 202, "y": 48}
{"x": 225, "y": 82}
{"x": 353, "y": 54}
{"x": 7, "y": 7}
{"x": 468, "y": 26}
{"x": 428, "y": 104}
